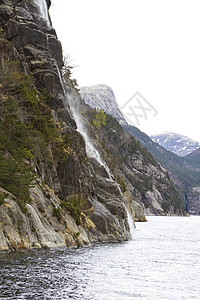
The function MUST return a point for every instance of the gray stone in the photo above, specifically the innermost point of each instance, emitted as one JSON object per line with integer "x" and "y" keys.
{"x": 34, "y": 37}
{"x": 8, "y": 2}
{"x": 76, "y": 177}
{"x": 23, "y": 14}
{"x": 11, "y": 29}
{"x": 48, "y": 3}
{"x": 6, "y": 13}
{"x": 55, "y": 48}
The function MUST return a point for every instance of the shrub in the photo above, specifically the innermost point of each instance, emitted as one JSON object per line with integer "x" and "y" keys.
{"x": 73, "y": 209}
{"x": 1, "y": 33}
{"x": 57, "y": 213}
{"x": 76, "y": 235}
{"x": 122, "y": 184}
{"x": 2, "y": 197}
{"x": 100, "y": 119}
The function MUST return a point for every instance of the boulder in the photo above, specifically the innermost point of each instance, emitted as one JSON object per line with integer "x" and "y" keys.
{"x": 23, "y": 14}
{"x": 11, "y": 29}
{"x": 6, "y": 13}
{"x": 34, "y": 37}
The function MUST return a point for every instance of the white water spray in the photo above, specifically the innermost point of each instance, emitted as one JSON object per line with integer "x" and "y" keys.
{"x": 93, "y": 153}
{"x": 129, "y": 217}
{"x": 90, "y": 149}
{"x": 43, "y": 10}
{"x": 81, "y": 127}
{"x": 130, "y": 223}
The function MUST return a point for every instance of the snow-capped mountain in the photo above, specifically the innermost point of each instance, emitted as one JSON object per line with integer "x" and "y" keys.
{"x": 176, "y": 143}
{"x": 101, "y": 97}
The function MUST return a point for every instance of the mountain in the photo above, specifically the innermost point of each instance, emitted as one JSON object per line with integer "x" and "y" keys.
{"x": 65, "y": 179}
{"x": 101, "y": 97}
{"x": 194, "y": 156}
{"x": 184, "y": 171}
{"x": 52, "y": 192}
{"x": 135, "y": 169}
{"x": 176, "y": 143}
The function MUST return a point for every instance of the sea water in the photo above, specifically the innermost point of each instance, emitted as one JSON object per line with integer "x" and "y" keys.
{"x": 161, "y": 262}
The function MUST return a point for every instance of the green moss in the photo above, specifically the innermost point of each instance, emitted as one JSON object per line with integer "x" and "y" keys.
{"x": 76, "y": 235}
{"x": 1, "y": 32}
{"x": 57, "y": 213}
{"x": 73, "y": 209}
{"x": 122, "y": 184}
{"x": 2, "y": 197}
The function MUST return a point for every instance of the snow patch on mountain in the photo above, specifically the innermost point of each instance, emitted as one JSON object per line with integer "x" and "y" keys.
{"x": 101, "y": 97}
{"x": 176, "y": 143}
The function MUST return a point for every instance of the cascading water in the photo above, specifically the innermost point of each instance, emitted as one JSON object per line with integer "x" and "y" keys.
{"x": 81, "y": 127}
{"x": 43, "y": 10}
{"x": 91, "y": 151}
{"x": 130, "y": 223}
{"x": 129, "y": 217}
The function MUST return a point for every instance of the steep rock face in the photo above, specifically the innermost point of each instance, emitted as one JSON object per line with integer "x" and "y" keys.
{"x": 193, "y": 195}
{"x": 101, "y": 97}
{"x": 171, "y": 150}
{"x": 176, "y": 153}
{"x": 194, "y": 200}
{"x": 146, "y": 181}
{"x": 176, "y": 143}
{"x": 46, "y": 221}
{"x": 39, "y": 227}
{"x": 184, "y": 171}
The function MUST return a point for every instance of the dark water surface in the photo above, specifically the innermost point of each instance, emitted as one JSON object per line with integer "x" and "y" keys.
{"x": 161, "y": 262}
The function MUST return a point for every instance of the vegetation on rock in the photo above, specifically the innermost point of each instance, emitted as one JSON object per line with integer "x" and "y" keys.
{"x": 27, "y": 131}
{"x": 141, "y": 173}
{"x": 184, "y": 171}
{"x": 100, "y": 119}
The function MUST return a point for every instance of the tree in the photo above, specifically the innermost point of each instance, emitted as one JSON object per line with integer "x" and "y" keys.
{"x": 100, "y": 119}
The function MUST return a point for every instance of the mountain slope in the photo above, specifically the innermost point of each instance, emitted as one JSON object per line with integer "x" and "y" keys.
{"x": 176, "y": 143}
{"x": 51, "y": 193}
{"x": 101, "y": 97}
{"x": 147, "y": 182}
{"x": 184, "y": 171}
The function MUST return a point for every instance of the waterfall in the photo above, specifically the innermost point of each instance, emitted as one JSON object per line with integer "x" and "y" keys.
{"x": 43, "y": 10}
{"x": 129, "y": 217}
{"x": 130, "y": 223}
{"x": 91, "y": 151}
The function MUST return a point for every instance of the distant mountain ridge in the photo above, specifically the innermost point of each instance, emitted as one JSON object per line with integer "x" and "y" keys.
{"x": 176, "y": 143}
{"x": 102, "y": 97}
{"x": 184, "y": 171}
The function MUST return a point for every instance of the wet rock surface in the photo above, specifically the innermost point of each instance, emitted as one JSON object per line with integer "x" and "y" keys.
{"x": 144, "y": 180}
{"x": 36, "y": 46}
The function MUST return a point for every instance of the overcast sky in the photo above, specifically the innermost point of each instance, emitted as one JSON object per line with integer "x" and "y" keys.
{"x": 146, "y": 46}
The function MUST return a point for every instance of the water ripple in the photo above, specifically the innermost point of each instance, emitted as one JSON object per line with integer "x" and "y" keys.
{"x": 162, "y": 262}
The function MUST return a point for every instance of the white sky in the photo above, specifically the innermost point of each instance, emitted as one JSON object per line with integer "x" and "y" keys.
{"x": 149, "y": 46}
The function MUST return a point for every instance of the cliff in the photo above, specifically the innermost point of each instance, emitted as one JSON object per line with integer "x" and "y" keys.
{"x": 63, "y": 180}
{"x": 183, "y": 170}
{"x": 141, "y": 176}
{"x": 52, "y": 194}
